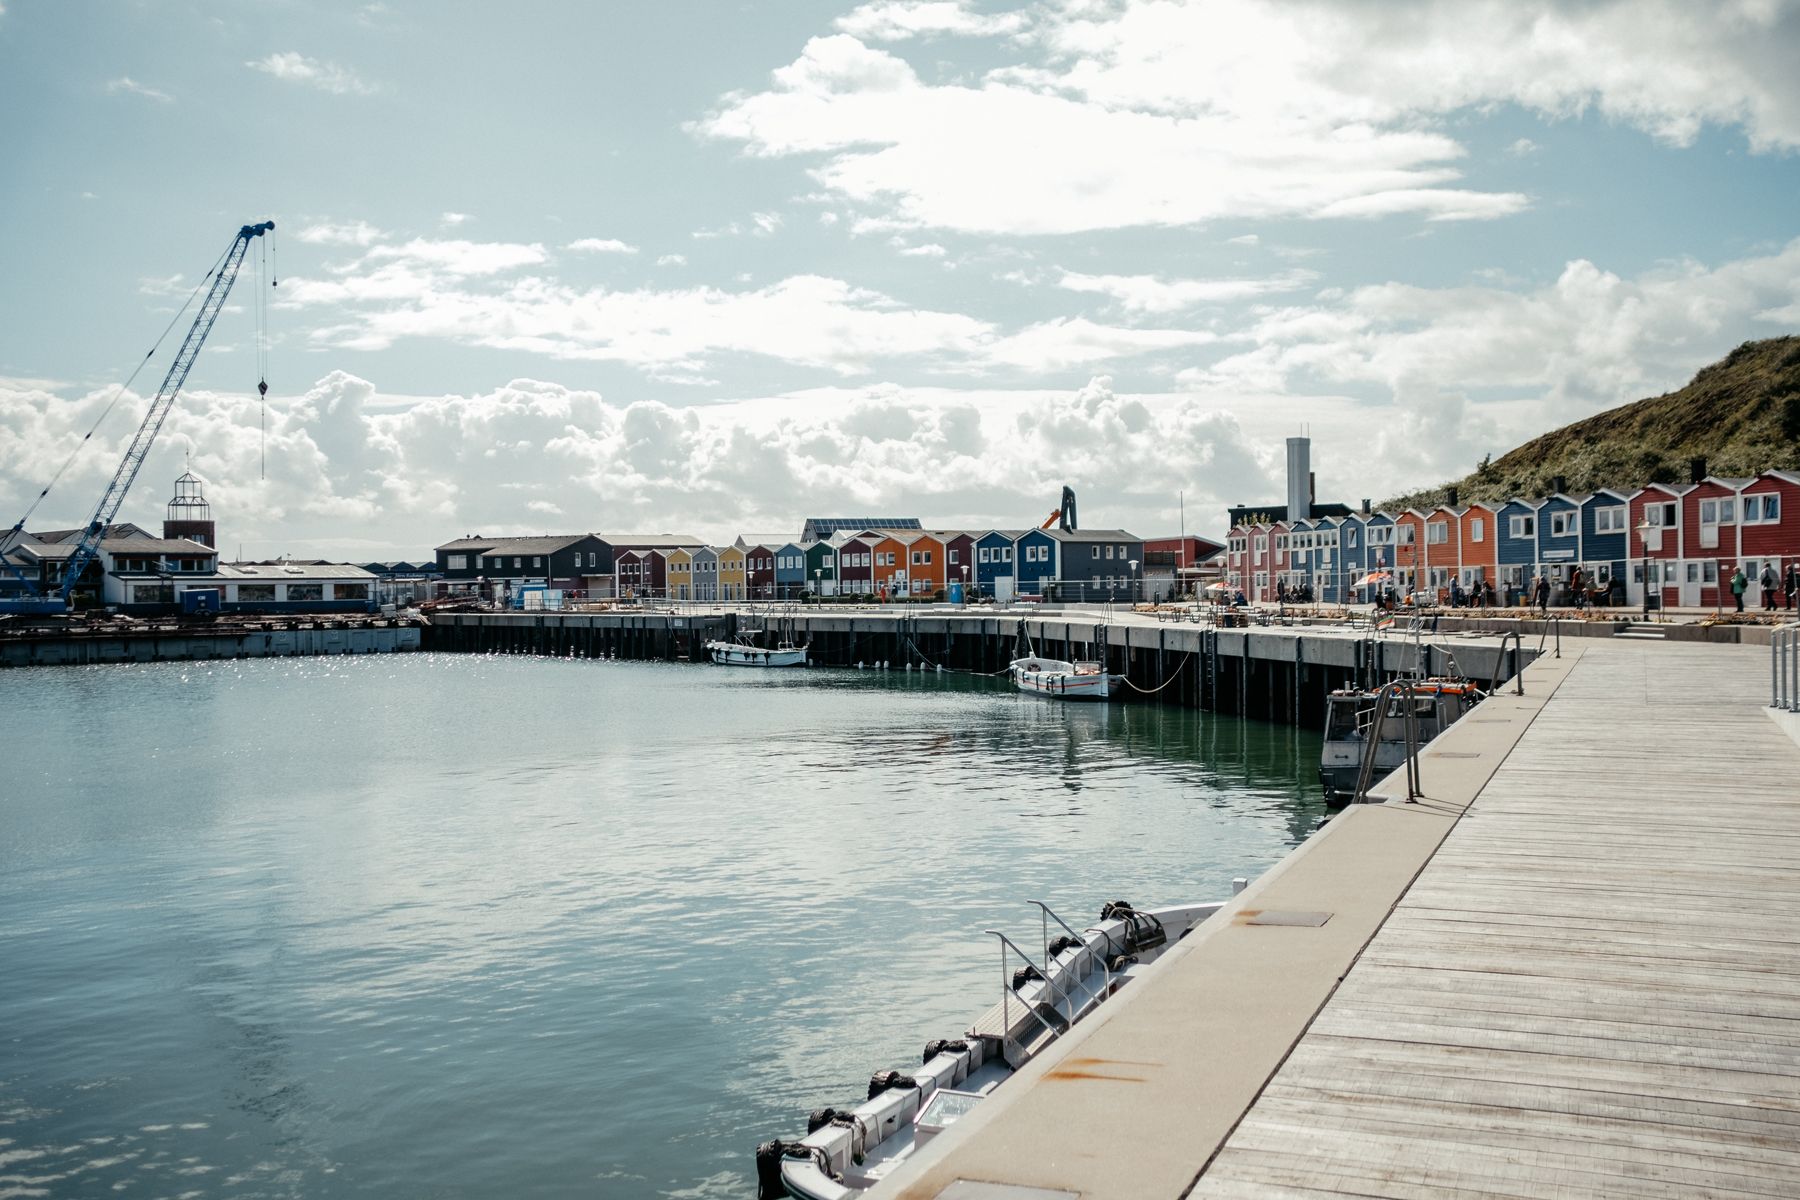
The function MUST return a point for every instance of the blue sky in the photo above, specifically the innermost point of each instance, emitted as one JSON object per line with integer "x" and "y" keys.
{"x": 717, "y": 267}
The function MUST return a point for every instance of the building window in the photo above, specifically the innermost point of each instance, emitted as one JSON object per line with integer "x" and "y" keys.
{"x": 1438, "y": 532}
{"x": 518, "y": 563}
{"x": 1096, "y": 551}
{"x": 305, "y": 592}
{"x": 350, "y": 591}
{"x": 1762, "y": 508}
{"x": 1476, "y": 530}
{"x": 1609, "y": 520}
{"x": 952, "y": 556}
{"x": 256, "y": 593}
{"x": 456, "y": 562}
{"x": 1523, "y": 527}
{"x": 1563, "y": 524}
{"x": 981, "y": 554}
{"x": 537, "y": 560}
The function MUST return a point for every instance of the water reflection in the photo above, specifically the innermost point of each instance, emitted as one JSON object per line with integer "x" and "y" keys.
{"x": 478, "y": 925}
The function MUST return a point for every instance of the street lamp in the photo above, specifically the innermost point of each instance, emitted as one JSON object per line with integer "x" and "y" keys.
{"x": 1643, "y": 532}
{"x": 1134, "y": 582}
{"x": 965, "y": 575}
{"x": 818, "y": 587}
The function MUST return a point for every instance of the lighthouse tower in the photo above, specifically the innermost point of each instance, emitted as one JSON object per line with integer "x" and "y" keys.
{"x": 189, "y": 515}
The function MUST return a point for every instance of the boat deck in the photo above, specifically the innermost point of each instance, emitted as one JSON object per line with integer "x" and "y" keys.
{"x": 1587, "y": 984}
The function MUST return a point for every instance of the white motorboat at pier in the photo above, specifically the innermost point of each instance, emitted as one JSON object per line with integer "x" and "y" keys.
{"x": 846, "y": 1151}
{"x": 1063, "y": 680}
{"x": 744, "y": 653}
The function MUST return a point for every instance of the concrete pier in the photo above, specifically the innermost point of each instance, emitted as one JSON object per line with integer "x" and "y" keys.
{"x": 1571, "y": 970}
{"x": 1278, "y": 673}
{"x": 150, "y": 642}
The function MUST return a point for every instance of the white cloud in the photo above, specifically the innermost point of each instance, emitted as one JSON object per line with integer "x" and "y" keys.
{"x": 672, "y": 260}
{"x": 927, "y": 250}
{"x": 1523, "y": 148}
{"x": 1149, "y": 294}
{"x": 326, "y": 76}
{"x": 456, "y": 257}
{"x": 351, "y": 233}
{"x": 1155, "y": 113}
{"x": 1586, "y": 340}
{"x": 452, "y": 219}
{"x": 761, "y": 224}
{"x": 126, "y": 83}
{"x": 1244, "y": 239}
{"x": 897, "y": 20}
{"x": 592, "y": 245}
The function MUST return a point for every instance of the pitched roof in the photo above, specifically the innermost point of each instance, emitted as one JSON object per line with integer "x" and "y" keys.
{"x": 1093, "y": 535}
{"x": 124, "y": 545}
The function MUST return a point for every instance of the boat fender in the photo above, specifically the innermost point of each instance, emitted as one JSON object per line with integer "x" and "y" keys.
{"x": 1117, "y": 910}
{"x": 939, "y": 1046}
{"x": 819, "y": 1118}
{"x": 1025, "y": 975}
{"x": 1064, "y": 943}
{"x": 768, "y": 1167}
{"x": 881, "y": 1081}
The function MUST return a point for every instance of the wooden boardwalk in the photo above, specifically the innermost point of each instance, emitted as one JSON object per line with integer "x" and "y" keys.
{"x": 1593, "y": 987}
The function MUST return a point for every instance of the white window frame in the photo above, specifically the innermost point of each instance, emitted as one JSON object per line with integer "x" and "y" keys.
{"x": 456, "y": 562}
{"x": 1565, "y": 524}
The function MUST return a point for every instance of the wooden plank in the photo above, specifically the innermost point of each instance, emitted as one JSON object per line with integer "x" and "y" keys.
{"x": 1594, "y": 986}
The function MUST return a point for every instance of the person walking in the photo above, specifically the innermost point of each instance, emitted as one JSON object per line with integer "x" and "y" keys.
{"x": 1738, "y": 583}
{"x": 1577, "y": 589}
{"x": 1541, "y": 592}
{"x": 1769, "y": 586}
{"x": 1792, "y": 586}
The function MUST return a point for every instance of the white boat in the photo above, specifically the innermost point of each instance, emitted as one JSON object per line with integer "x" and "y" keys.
{"x": 1355, "y": 715}
{"x": 1064, "y": 680}
{"x": 846, "y": 1151}
{"x": 743, "y": 654}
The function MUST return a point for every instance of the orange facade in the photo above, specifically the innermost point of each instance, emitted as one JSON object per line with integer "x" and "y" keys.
{"x": 925, "y": 559}
{"x": 1409, "y": 538}
{"x": 1479, "y": 542}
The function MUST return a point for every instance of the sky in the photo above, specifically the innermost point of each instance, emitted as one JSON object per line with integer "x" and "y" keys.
{"x": 717, "y": 267}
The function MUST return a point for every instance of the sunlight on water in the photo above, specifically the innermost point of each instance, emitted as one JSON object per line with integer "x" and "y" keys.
{"x": 459, "y": 925}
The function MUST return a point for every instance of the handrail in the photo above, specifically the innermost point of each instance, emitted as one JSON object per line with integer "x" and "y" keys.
{"x": 1365, "y": 772}
{"x": 1518, "y": 662}
{"x": 1047, "y": 911}
{"x": 1784, "y": 667}
{"x": 1006, "y": 990}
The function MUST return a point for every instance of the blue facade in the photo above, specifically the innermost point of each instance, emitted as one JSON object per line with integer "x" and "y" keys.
{"x": 1559, "y": 551}
{"x": 1032, "y": 569}
{"x": 1517, "y": 555}
{"x": 1378, "y": 554}
{"x": 790, "y": 569}
{"x": 993, "y": 560}
{"x": 1610, "y": 547}
{"x": 1353, "y": 548}
{"x": 1300, "y": 556}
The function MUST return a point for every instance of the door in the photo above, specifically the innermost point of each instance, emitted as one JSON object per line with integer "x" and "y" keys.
{"x": 1003, "y": 589}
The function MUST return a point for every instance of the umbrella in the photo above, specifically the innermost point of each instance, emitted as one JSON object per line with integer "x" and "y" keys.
{"x": 1374, "y": 577}
{"x": 1218, "y": 587}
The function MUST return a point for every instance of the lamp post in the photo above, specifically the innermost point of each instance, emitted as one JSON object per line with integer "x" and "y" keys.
{"x": 965, "y": 575}
{"x": 818, "y": 587}
{"x": 1134, "y": 581}
{"x": 1643, "y": 532}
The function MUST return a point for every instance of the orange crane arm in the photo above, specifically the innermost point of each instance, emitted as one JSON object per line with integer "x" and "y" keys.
{"x": 1053, "y": 518}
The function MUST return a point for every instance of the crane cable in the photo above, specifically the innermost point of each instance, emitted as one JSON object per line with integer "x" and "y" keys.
{"x": 117, "y": 393}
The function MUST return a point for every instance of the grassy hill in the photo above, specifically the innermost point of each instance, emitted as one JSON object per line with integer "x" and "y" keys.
{"x": 1742, "y": 414}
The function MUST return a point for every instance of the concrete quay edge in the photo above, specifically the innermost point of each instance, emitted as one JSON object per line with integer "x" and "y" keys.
{"x": 1137, "y": 1100}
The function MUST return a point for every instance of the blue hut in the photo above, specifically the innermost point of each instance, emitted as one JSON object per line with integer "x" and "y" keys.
{"x": 1605, "y": 536}
{"x": 1034, "y": 556}
{"x": 791, "y": 579}
{"x": 994, "y": 559}
{"x": 1518, "y": 546}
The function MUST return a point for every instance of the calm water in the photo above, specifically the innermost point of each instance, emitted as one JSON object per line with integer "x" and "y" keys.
{"x": 456, "y": 926}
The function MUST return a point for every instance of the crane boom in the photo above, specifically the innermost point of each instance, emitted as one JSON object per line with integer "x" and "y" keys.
{"x": 88, "y": 548}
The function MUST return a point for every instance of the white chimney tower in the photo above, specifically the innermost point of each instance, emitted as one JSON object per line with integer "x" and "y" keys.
{"x": 1299, "y": 479}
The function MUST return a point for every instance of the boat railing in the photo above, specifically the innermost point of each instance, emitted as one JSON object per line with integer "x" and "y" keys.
{"x": 1006, "y": 944}
{"x": 1046, "y": 915}
{"x": 1784, "y": 668}
{"x": 1403, "y": 690}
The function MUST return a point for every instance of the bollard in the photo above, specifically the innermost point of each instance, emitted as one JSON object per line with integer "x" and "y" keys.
{"x": 1239, "y": 884}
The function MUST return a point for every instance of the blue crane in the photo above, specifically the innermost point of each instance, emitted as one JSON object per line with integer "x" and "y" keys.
{"x": 88, "y": 548}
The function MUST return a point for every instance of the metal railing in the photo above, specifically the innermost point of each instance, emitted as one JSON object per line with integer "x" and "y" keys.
{"x": 1784, "y": 668}
{"x": 1046, "y": 915}
{"x": 1401, "y": 690}
{"x": 1006, "y": 990}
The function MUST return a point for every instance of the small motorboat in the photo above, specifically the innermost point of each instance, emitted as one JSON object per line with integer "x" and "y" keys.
{"x": 1355, "y": 715}
{"x": 846, "y": 1151}
{"x": 1064, "y": 680}
{"x": 743, "y": 653}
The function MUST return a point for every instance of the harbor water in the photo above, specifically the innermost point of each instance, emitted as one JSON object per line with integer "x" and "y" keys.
{"x": 442, "y": 925}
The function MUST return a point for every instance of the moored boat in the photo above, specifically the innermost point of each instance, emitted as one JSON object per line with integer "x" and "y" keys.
{"x": 846, "y": 1151}
{"x": 1354, "y": 716}
{"x": 1063, "y": 680}
{"x": 744, "y": 654}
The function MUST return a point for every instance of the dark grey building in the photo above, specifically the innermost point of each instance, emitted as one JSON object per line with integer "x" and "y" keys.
{"x": 1097, "y": 564}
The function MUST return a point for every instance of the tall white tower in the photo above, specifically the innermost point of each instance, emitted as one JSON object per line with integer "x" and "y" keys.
{"x": 1299, "y": 479}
